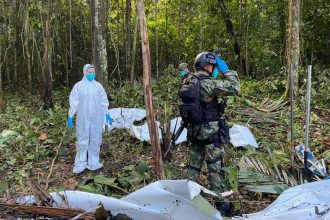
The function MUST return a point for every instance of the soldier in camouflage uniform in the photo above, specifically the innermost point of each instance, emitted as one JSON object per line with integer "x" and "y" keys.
{"x": 184, "y": 71}
{"x": 210, "y": 138}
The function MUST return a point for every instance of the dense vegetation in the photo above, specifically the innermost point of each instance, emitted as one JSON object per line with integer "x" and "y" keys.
{"x": 31, "y": 137}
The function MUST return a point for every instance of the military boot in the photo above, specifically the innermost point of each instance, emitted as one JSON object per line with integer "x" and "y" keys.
{"x": 224, "y": 207}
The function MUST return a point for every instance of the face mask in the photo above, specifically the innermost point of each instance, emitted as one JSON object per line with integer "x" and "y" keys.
{"x": 182, "y": 73}
{"x": 90, "y": 76}
{"x": 215, "y": 73}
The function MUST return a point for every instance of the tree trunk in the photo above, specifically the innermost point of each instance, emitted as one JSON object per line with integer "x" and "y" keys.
{"x": 16, "y": 47}
{"x": 200, "y": 23}
{"x": 134, "y": 49}
{"x": 118, "y": 45}
{"x": 66, "y": 61}
{"x": 128, "y": 35}
{"x": 282, "y": 32}
{"x": 180, "y": 57}
{"x": 153, "y": 130}
{"x": 233, "y": 38}
{"x": 293, "y": 44}
{"x": 70, "y": 33}
{"x": 156, "y": 36}
{"x": 246, "y": 38}
{"x": 46, "y": 70}
{"x": 165, "y": 55}
{"x": 98, "y": 44}
{"x": 26, "y": 45}
{"x": 1, "y": 91}
{"x": 242, "y": 33}
{"x": 2, "y": 62}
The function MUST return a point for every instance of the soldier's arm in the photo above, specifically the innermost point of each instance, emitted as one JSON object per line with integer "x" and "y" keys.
{"x": 228, "y": 85}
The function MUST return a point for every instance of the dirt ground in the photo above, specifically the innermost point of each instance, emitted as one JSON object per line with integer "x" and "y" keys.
{"x": 114, "y": 160}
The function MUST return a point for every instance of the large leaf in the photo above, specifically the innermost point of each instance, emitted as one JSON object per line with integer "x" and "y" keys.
{"x": 105, "y": 181}
{"x": 257, "y": 176}
{"x": 273, "y": 188}
{"x": 92, "y": 188}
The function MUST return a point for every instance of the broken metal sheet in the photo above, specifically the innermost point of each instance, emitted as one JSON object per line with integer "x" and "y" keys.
{"x": 125, "y": 118}
{"x": 161, "y": 200}
{"x": 175, "y": 124}
{"x": 307, "y": 201}
{"x": 241, "y": 136}
{"x": 312, "y": 163}
{"x": 142, "y": 132}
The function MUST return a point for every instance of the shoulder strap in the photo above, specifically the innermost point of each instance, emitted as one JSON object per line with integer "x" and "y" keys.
{"x": 202, "y": 77}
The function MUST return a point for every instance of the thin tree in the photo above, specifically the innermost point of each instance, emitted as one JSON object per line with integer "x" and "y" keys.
{"x": 16, "y": 47}
{"x": 26, "y": 47}
{"x": 135, "y": 36}
{"x": 156, "y": 36}
{"x": 293, "y": 42}
{"x": 70, "y": 34}
{"x": 292, "y": 47}
{"x": 128, "y": 35}
{"x": 153, "y": 130}
{"x": 46, "y": 93}
{"x": 230, "y": 30}
{"x": 1, "y": 63}
{"x": 98, "y": 43}
{"x": 201, "y": 24}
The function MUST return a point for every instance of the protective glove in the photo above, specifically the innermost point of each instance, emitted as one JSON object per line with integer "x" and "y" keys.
{"x": 70, "y": 122}
{"x": 221, "y": 65}
{"x": 108, "y": 118}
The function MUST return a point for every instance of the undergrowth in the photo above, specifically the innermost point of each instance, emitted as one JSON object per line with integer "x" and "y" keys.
{"x": 39, "y": 133}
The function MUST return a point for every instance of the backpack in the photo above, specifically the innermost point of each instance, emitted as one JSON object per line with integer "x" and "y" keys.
{"x": 190, "y": 109}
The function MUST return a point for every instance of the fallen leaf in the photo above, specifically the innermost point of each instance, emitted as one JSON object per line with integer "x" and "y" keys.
{"x": 327, "y": 142}
{"x": 42, "y": 137}
{"x": 70, "y": 184}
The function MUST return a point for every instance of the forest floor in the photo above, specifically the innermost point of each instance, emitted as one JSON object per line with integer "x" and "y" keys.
{"x": 44, "y": 149}
{"x": 115, "y": 157}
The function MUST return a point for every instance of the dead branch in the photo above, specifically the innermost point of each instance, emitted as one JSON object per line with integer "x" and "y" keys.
{"x": 41, "y": 196}
{"x": 65, "y": 213}
{"x": 51, "y": 167}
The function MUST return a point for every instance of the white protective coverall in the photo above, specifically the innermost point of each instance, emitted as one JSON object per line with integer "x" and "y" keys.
{"x": 89, "y": 100}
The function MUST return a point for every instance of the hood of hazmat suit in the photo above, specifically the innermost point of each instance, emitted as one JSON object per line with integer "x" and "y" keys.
{"x": 88, "y": 100}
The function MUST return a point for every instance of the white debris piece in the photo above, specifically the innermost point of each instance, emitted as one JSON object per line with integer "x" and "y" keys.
{"x": 241, "y": 136}
{"x": 175, "y": 124}
{"x": 307, "y": 201}
{"x": 125, "y": 118}
{"x": 161, "y": 200}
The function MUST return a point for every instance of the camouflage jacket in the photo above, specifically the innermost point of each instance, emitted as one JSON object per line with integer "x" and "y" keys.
{"x": 214, "y": 88}
{"x": 228, "y": 85}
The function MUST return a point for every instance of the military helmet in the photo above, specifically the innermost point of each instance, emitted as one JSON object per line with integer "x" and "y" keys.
{"x": 203, "y": 58}
{"x": 182, "y": 66}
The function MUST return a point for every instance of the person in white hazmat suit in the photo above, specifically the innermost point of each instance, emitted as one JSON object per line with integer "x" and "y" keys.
{"x": 89, "y": 100}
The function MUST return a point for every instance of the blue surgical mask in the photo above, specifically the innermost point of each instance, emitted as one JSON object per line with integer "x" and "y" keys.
{"x": 90, "y": 76}
{"x": 215, "y": 73}
{"x": 182, "y": 73}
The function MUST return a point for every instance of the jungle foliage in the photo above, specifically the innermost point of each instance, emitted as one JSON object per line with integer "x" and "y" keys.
{"x": 31, "y": 137}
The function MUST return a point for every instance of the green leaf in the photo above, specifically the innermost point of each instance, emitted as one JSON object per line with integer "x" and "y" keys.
{"x": 266, "y": 188}
{"x": 92, "y": 188}
{"x": 105, "y": 181}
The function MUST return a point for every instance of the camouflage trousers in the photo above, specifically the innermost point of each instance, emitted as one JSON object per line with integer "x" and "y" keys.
{"x": 211, "y": 153}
